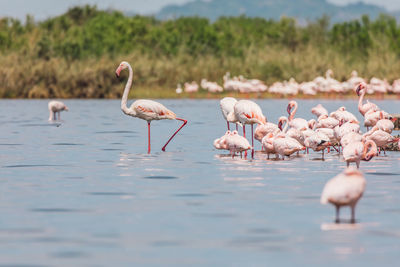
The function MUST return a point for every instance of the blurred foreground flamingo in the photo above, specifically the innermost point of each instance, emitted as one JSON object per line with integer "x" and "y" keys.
{"x": 144, "y": 109}
{"x": 56, "y": 107}
{"x": 344, "y": 189}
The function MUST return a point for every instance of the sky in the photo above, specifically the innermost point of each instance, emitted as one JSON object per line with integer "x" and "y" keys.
{"x": 42, "y": 9}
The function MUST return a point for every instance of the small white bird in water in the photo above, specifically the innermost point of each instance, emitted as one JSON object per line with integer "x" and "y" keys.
{"x": 56, "y": 107}
{"x": 344, "y": 189}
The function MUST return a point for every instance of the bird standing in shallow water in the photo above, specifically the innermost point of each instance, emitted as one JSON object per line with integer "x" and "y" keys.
{"x": 144, "y": 109}
{"x": 54, "y": 108}
{"x": 344, "y": 189}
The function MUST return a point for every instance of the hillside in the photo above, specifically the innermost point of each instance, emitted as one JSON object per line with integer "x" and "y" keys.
{"x": 302, "y": 10}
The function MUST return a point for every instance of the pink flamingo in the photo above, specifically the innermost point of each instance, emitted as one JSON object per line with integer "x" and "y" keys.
{"x": 385, "y": 124}
{"x": 327, "y": 122}
{"x": 56, "y": 107}
{"x": 381, "y": 138}
{"x": 297, "y": 123}
{"x": 286, "y": 146}
{"x": 268, "y": 144}
{"x": 319, "y": 110}
{"x": 344, "y": 189}
{"x": 227, "y": 104}
{"x": 247, "y": 112}
{"x": 263, "y": 129}
{"x": 357, "y": 151}
{"x": 220, "y": 143}
{"x": 363, "y": 108}
{"x": 144, "y": 109}
{"x": 237, "y": 143}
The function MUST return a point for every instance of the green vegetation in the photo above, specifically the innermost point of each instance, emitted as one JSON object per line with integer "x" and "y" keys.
{"x": 76, "y": 54}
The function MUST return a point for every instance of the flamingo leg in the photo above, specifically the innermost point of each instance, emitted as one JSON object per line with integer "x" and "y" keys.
{"x": 252, "y": 142}
{"x": 227, "y": 122}
{"x": 54, "y": 116}
{"x": 184, "y": 123}
{"x": 337, "y": 214}
{"x": 236, "y": 127}
{"x": 353, "y": 213}
{"x": 244, "y": 135}
{"x": 148, "y": 144}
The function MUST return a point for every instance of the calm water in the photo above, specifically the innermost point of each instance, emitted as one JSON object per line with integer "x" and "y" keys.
{"x": 85, "y": 193}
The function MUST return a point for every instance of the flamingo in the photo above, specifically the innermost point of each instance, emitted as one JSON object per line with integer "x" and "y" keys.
{"x": 363, "y": 108}
{"x": 236, "y": 143}
{"x": 286, "y": 146}
{"x": 327, "y": 122}
{"x": 357, "y": 151}
{"x": 297, "y": 123}
{"x": 56, "y": 107}
{"x": 247, "y": 112}
{"x": 349, "y": 138}
{"x": 319, "y": 110}
{"x": 263, "y": 129}
{"x": 292, "y": 132}
{"x": 268, "y": 144}
{"x": 381, "y": 138}
{"x": 179, "y": 89}
{"x": 344, "y": 189}
{"x": 385, "y": 124}
{"x": 144, "y": 109}
{"x": 318, "y": 142}
{"x": 220, "y": 143}
{"x": 227, "y": 104}
{"x": 343, "y": 115}
{"x": 373, "y": 116}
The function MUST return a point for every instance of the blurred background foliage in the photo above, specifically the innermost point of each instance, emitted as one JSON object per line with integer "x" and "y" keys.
{"x": 75, "y": 54}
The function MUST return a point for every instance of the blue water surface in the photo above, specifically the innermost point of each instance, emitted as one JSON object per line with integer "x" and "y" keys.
{"x": 84, "y": 192}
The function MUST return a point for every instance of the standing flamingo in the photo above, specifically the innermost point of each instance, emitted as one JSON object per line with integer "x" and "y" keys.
{"x": 298, "y": 123}
{"x": 144, "y": 109}
{"x": 363, "y": 108}
{"x": 357, "y": 151}
{"x": 344, "y": 189}
{"x": 247, "y": 112}
{"x": 56, "y": 107}
{"x": 227, "y": 105}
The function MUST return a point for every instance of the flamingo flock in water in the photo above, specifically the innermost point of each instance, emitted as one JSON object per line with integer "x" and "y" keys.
{"x": 324, "y": 85}
{"x": 338, "y": 130}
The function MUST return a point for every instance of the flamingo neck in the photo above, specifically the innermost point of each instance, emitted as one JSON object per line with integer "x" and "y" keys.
{"x": 124, "y": 100}
{"x": 285, "y": 129}
{"x": 372, "y": 149}
{"x": 291, "y": 116}
{"x": 360, "y": 100}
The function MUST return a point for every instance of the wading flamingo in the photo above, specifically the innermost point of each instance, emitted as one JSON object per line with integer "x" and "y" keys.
{"x": 357, "y": 151}
{"x": 344, "y": 189}
{"x": 247, "y": 112}
{"x": 227, "y": 104}
{"x": 236, "y": 143}
{"x": 144, "y": 109}
{"x": 319, "y": 110}
{"x": 298, "y": 123}
{"x": 56, "y": 107}
{"x": 363, "y": 108}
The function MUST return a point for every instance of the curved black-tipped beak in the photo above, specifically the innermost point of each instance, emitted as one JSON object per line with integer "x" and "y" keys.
{"x": 358, "y": 89}
{"x": 288, "y": 109}
{"x": 116, "y": 74}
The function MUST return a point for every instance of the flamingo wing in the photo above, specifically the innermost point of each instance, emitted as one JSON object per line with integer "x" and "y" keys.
{"x": 152, "y": 110}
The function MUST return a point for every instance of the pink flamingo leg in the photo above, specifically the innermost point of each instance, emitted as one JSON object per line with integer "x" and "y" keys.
{"x": 252, "y": 142}
{"x": 244, "y": 135}
{"x": 228, "y": 125}
{"x": 184, "y": 123}
{"x": 236, "y": 127}
{"x": 148, "y": 145}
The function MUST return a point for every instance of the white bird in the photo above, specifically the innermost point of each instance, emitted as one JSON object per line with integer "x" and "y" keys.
{"x": 344, "y": 189}
{"x": 298, "y": 123}
{"x": 144, "y": 109}
{"x": 236, "y": 143}
{"x": 227, "y": 105}
{"x": 56, "y": 107}
{"x": 247, "y": 112}
{"x": 319, "y": 110}
{"x": 357, "y": 151}
{"x": 363, "y": 108}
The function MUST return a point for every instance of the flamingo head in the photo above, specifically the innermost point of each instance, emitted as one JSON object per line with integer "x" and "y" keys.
{"x": 393, "y": 119}
{"x": 121, "y": 67}
{"x": 290, "y": 106}
{"x": 360, "y": 87}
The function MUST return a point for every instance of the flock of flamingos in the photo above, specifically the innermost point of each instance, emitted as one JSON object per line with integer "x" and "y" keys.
{"x": 339, "y": 130}
{"x": 324, "y": 85}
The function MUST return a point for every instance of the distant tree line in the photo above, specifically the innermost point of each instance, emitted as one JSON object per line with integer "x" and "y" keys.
{"x": 86, "y": 35}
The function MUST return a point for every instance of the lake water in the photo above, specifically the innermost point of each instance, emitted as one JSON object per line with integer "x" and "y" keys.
{"x": 85, "y": 193}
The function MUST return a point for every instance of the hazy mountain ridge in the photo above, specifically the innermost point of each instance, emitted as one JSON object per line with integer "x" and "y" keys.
{"x": 272, "y": 9}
